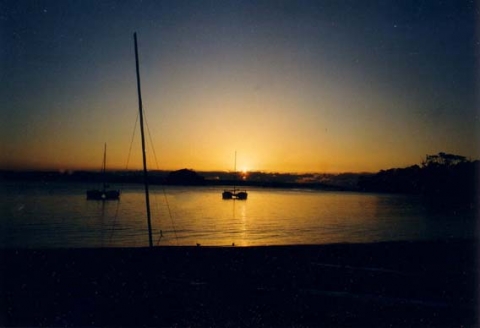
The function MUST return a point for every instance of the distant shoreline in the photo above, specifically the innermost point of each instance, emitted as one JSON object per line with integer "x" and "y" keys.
{"x": 450, "y": 184}
{"x": 338, "y": 182}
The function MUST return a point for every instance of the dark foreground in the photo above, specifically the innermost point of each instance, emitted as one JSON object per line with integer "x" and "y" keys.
{"x": 398, "y": 284}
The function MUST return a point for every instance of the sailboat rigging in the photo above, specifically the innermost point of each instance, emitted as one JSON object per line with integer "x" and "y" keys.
{"x": 144, "y": 156}
{"x": 104, "y": 193}
{"x": 235, "y": 193}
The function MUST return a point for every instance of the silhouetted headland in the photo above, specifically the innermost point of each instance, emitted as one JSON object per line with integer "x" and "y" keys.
{"x": 440, "y": 178}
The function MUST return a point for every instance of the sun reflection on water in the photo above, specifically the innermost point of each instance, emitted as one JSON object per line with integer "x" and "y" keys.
{"x": 59, "y": 216}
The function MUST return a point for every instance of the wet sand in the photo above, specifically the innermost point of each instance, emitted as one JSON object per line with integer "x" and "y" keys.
{"x": 395, "y": 284}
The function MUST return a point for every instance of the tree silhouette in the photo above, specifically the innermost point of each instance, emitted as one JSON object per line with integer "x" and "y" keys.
{"x": 442, "y": 177}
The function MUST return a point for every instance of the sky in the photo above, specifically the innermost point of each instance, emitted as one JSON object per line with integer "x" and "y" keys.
{"x": 289, "y": 86}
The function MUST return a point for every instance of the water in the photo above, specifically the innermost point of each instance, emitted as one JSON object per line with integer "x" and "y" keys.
{"x": 58, "y": 215}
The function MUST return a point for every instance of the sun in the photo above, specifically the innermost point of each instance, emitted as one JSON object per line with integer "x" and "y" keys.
{"x": 244, "y": 173}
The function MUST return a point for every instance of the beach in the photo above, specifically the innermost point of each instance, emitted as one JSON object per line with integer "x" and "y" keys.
{"x": 394, "y": 284}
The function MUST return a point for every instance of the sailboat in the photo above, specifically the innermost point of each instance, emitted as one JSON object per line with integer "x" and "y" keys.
{"x": 104, "y": 193}
{"x": 235, "y": 193}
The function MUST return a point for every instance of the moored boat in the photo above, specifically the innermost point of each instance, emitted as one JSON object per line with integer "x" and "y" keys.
{"x": 104, "y": 193}
{"x": 235, "y": 193}
{"x": 96, "y": 194}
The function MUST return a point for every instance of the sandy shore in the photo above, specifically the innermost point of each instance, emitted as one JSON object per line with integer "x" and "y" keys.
{"x": 396, "y": 284}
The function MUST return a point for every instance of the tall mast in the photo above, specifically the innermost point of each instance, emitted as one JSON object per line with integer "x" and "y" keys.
{"x": 145, "y": 174}
{"x": 235, "y": 172}
{"x": 104, "y": 166}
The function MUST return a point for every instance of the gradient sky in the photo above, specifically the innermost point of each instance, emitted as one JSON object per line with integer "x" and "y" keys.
{"x": 292, "y": 86}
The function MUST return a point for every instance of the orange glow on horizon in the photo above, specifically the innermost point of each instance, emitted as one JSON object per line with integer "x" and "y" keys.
{"x": 316, "y": 91}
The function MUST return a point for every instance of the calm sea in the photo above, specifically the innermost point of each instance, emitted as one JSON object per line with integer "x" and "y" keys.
{"x": 58, "y": 215}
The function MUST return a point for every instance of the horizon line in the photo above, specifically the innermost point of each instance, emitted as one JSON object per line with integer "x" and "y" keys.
{"x": 62, "y": 171}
